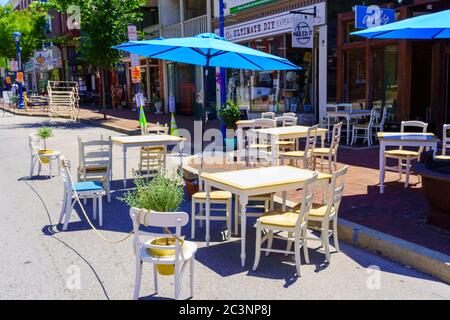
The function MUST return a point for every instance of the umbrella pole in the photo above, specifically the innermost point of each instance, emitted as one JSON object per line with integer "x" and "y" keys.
{"x": 205, "y": 87}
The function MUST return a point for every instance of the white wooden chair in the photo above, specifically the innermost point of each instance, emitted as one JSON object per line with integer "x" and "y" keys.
{"x": 364, "y": 130}
{"x": 403, "y": 155}
{"x": 379, "y": 124}
{"x": 84, "y": 190}
{"x": 445, "y": 143}
{"x": 286, "y": 121}
{"x": 41, "y": 158}
{"x": 295, "y": 224}
{"x": 268, "y": 115}
{"x": 223, "y": 199}
{"x": 329, "y": 154}
{"x": 95, "y": 162}
{"x": 259, "y": 146}
{"x": 324, "y": 218}
{"x": 153, "y": 159}
{"x": 307, "y": 155}
{"x": 184, "y": 251}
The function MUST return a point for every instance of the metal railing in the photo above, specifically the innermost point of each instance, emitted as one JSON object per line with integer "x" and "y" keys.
{"x": 195, "y": 26}
{"x": 187, "y": 28}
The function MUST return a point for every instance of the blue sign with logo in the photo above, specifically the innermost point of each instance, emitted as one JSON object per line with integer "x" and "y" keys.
{"x": 373, "y": 16}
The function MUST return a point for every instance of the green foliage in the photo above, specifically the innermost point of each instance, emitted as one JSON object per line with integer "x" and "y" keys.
{"x": 162, "y": 194}
{"x": 103, "y": 25}
{"x": 44, "y": 133}
{"x": 30, "y": 23}
{"x": 230, "y": 113}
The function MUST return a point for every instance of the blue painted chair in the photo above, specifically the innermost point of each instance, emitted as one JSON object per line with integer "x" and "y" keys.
{"x": 84, "y": 190}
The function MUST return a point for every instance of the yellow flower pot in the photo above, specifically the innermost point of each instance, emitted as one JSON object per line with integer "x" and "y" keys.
{"x": 164, "y": 269}
{"x": 45, "y": 160}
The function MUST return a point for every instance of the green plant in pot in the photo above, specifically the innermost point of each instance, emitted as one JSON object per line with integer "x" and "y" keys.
{"x": 44, "y": 133}
{"x": 161, "y": 194}
{"x": 230, "y": 113}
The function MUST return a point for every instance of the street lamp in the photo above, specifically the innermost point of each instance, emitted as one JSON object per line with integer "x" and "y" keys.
{"x": 17, "y": 36}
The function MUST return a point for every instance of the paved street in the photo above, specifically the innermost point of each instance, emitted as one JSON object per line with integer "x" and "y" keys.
{"x": 38, "y": 261}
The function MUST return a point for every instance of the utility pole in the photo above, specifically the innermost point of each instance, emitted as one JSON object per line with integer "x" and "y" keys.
{"x": 223, "y": 92}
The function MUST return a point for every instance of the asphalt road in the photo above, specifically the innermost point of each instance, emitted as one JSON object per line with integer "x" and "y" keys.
{"x": 38, "y": 261}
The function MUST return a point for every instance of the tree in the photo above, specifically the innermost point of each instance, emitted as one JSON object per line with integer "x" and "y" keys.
{"x": 31, "y": 23}
{"x": 103, "y": 24}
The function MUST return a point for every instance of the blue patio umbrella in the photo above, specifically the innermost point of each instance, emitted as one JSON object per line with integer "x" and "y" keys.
{"x": 207, "y": 50}
{"x": 429, "y": 26}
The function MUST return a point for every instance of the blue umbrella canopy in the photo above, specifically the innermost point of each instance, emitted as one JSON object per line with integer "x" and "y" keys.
{"x": 207, "y": 49}
{"x": 429, "y": 26}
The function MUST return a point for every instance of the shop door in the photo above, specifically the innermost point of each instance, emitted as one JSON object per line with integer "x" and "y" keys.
{"x": 421, "y": 82}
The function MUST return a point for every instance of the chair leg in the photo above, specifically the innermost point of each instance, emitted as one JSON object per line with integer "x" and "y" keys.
{"x": 137, "y": 281}
{"x": 236, "y": 215}
{"x": 305, "y": 245}
{"x": 50, "y": 166}
{"x": 193, "y": 219}
{"x": 335, "y": 235}
{"x": 100, "y": 209}
{"x": 177, "y": 284}
{"x": 68, "y": 214}
{"x": 326, "y": 244}
{"x": 155, "y": 277}
{"x": 408, "y": 172}
{"x": 94, "y": 205}
{"x": 200, "y": 211}
{"x": 108, "y": 189}
{"x": 257, "y": 246}
{"x": 400, "y": 169}
{"x": 63, "y": 208}
{"x": 191, "y": 271}
{"x": 298, "y": 261}
{"x": 39, "y": 167}
{"x": 289, "y": 243}
{"x": 269, "y": 242}
{"x": 33, "y": 163}
{"x": 229, "y": 214}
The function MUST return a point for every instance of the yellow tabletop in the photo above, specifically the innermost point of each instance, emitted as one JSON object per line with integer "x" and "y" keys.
{"x": 257, "y": 178}
{"x": 151, "y": 138}
{"x": 289, "y": 131}
{"x": 407, "y": 136}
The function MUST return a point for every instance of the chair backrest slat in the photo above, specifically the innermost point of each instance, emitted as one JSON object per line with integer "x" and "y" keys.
{"x": 268, "y": 115}
{"x": 307, "y": 200}
{"x": 287, "y": 121}
{"x": 311, "y": 141}
{"x": 445, "y": 139}
{"x": 414, "y": 124}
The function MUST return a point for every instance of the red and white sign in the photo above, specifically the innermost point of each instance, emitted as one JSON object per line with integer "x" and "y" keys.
{"x": 132, "y": 33}
{"x": 14, "y": 66}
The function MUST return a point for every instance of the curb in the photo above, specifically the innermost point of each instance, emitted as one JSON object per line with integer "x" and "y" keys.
{"x": 409, "y": 254}
{"x": 92, "y": 122}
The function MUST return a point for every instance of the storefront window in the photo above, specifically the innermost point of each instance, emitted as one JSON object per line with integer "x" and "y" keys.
{"x": 384, "y": 84}
{"x": 355, "y": 76}
{"x": 194, "y": 8}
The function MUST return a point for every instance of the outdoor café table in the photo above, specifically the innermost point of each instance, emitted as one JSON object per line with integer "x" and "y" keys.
{"x": 348, "y": 115}
{"x": 397, "y": 139}
{"x": 286, "y": 133}
{"x": 152, "y": 140}
{"x": 256, "y": 181}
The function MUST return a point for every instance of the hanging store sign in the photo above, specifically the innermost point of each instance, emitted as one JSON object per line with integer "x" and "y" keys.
{"x": 272, "y": 25}
{"x": 132, "y": 33}
{"x": 14, "y": 66}
{"x": 373, "y": 16}
{"x": 302, "y": 31}
{"x": 19, "y": 77}
{"x": 135, "y": 61}
{"x": 241, "y": 5}
{"x": 136, "y": 75}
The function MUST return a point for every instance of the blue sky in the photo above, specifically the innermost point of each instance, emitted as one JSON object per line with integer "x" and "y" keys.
{"x": 3, "y": 1}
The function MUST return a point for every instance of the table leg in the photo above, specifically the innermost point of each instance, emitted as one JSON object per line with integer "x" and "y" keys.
{"x": 274, "y": 150}
{"x": 283, "y": 205}
{"x": 208, "y": 212}
{"x": 382, "y": 166}
{"x": 125, "y": 167}
{"x": 348, "y": 130}
{"x": 435, "y": 149}
{"x": 243, "y": 200}
{"x": 328, "y": 127}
